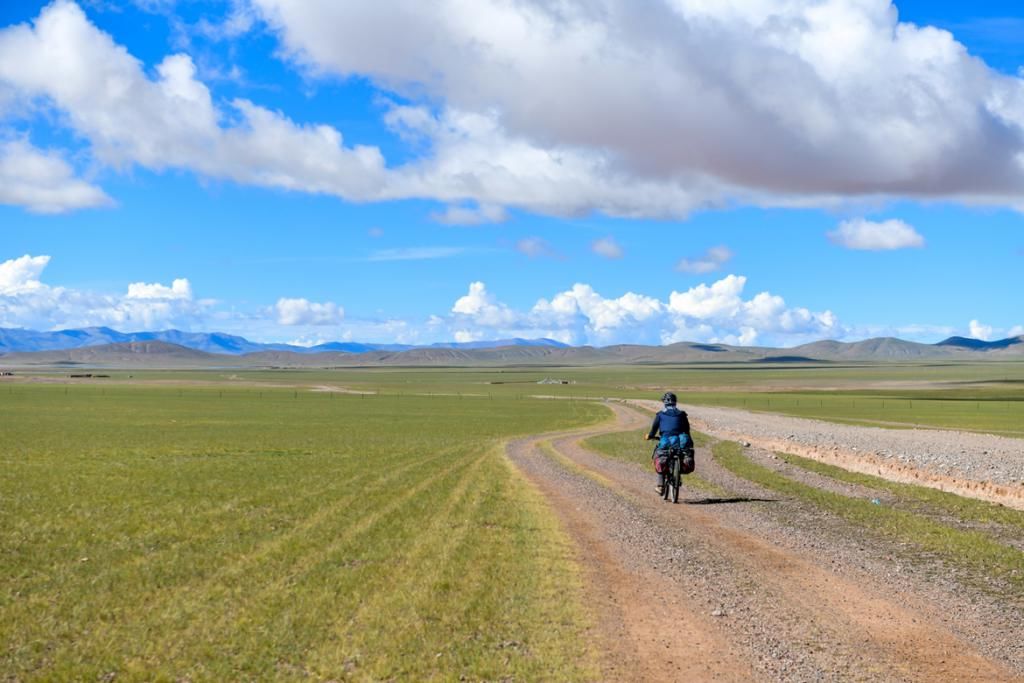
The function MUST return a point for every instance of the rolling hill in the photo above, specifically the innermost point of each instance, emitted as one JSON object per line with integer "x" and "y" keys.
{"x": 18, "y": 340}
{"x": 162, "y": 354}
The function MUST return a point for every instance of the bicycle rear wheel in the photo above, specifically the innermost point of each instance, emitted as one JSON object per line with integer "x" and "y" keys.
{"x": 675, "y": 480}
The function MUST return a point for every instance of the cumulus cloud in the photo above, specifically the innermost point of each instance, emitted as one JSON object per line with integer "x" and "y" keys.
{"x": 1016, "y": 331}
{"x": 480, "y": 306}
{"x": 980, "y": 331}
{"x": 718, "y": 312}
{"x": 305, "y": 312}
{"x": 473, "y": 155}
{"x": 598, "y": 314}
{"x": 43, "y": 182}
{"x": 777, "y": 102}
{"x": 171, "y": 120}
{"x": 712, "y": 260}
{"x": 715, "y": 312}
{"x": 867, "y": 235}
{"x": 21, "y": 275}
{"x": 180, "y": 289}
{"x": 677, "y": 105}
{"x": 27, "y": 301}
{"x": 607, "y": 247}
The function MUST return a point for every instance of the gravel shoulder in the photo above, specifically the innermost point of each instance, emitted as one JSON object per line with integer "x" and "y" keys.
{"x": 753, "y": 587}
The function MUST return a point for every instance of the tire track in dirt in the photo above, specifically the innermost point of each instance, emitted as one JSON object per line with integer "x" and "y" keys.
{"x": 786, "y": 616}
{"x": 637, "y": 617}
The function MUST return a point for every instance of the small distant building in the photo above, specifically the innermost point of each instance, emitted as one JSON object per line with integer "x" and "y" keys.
{"x": 549, "y": 380}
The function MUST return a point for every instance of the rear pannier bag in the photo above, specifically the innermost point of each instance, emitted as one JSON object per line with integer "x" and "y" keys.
{"x": 661, "y": 458}
{"x": 687, "y": 463}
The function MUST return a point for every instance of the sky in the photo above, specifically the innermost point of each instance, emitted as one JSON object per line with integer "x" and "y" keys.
{"x": 755, "y": 172}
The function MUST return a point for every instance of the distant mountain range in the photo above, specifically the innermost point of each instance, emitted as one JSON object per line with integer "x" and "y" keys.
{"x": 173, "y": 349}
{"x": 17, "y": 340}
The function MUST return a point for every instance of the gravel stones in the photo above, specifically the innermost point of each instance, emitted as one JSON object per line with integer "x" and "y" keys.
{"x": 983, "y": 465}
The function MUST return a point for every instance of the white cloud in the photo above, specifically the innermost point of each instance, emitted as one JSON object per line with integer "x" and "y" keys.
{"x": 1016, "y": 331}
{"x": 305, "y": 312}
{"x": 238, "y": 21}
{"x": 415, "y": 253}
{"x": 172, "y": 121}
{"x": 980, "y": 331}
{"x": 710, "y": 313}
{"x": 464, "y": 336}
{"x": 597, "y": 314}
{"x": 474, "y": 156}
{"x": 791, "y": 103}
{"x": 482, "y": 308}
{"x": 21, "y": 275}
{"x": 712, "y": 260}
{"x": 42, "y": 181}
{"x": 179, "y": 289}
{"x": 27, "y": 301}
{"x": 607, "y": 247}
{"x": 800, "y": 101}
{"x": 534, "y": 247}
{"x": 867, "y": 235}
{"x": 719, "y": 301}
{"x": 471, "y": 215}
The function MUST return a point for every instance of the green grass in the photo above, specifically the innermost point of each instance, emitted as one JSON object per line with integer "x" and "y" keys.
{"x": 160, "y": 536}
{"x": 932, "y": 499}
{"x": 630, "y": 447}
{"x": 971, "y": 549}
{"x": 980, "y": 396}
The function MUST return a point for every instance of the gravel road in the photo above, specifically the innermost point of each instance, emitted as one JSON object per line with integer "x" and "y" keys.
{"x": 755, "y": 587}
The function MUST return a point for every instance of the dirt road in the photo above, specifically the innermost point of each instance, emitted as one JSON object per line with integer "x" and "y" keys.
{"x": 754, "y": 587}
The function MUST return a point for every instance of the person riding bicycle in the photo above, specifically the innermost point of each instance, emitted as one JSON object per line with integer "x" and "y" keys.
{"x": 673, "y": 427}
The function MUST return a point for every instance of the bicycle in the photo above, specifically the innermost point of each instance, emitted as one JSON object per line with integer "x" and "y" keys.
{"x": 678, "y": 462}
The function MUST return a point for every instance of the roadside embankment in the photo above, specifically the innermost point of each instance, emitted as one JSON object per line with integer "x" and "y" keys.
{"x": 983, "y": 466}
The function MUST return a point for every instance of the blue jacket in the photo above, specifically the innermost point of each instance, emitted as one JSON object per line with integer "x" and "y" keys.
{"x": 670, "y": 422}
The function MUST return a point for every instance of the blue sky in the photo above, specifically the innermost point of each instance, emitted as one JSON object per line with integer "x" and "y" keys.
{"x": 745, "y": 172}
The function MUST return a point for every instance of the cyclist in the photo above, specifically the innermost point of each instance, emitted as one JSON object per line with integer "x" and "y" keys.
{"x": 674, "y": 429}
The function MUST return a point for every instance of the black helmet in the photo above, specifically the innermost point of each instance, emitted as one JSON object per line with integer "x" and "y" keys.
{"x": 669, "y": 398}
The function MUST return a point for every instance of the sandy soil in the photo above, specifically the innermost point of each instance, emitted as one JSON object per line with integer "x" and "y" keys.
{"x": 752, "y": 587}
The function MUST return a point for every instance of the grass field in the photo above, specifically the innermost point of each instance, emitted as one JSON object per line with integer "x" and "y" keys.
{"x": 278, "y": 534}
{"x": 216, "y": 525}
{"x": 981, "y": 396}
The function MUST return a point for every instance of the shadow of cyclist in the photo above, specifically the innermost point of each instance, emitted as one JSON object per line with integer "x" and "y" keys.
{"x": 726, "y": 501}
